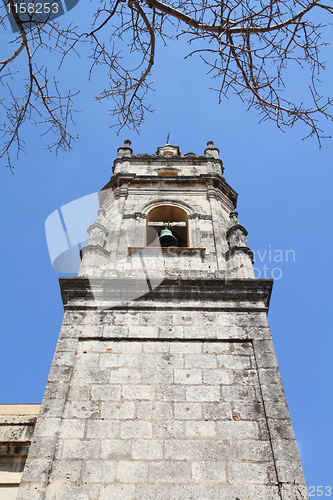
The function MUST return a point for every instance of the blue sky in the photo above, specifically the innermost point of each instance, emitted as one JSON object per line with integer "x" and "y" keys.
{"x": 285, "y": 203}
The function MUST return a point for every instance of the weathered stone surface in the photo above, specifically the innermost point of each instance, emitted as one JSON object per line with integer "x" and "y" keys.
{"x": 174, "y": 393}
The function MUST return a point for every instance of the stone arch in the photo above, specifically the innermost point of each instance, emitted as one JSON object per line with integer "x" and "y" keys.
{"x": 169, "y": 215}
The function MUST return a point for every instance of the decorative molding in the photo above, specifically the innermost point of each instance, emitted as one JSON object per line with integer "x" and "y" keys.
{"x": 135, "y": 215}
{"x": 99, "y": 226}
{"x": 230, "y": 253}
{"x": 94, "y": 249}
{"x": 195, "y": 215}
{"x": 231, "y": 293}
{"x": 186, "y": 251}
{"x": 235, "y": 227}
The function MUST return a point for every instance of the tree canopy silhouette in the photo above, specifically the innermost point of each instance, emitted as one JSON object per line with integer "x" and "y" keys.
{"x": 246, "y": 46}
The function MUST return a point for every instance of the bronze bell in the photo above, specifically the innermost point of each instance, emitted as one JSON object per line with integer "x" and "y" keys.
{"x": 167, "y": 239}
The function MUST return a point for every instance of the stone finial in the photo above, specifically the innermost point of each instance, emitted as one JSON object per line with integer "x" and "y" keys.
{"x": 238, "y": 246}
{"x": 233, "y": 218}
{"x": 236, "y": 234}
{"x": 125, "y": 150}
{"x": 211, "y": 150}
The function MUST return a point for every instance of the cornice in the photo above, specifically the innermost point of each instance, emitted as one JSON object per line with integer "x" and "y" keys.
{"x": 150, "y": 159}
{"x": 221, "y": 290}
{"x": 208, "y": 180}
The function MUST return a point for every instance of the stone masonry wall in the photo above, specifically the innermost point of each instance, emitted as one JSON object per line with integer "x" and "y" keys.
{"x": 164, "y": 401}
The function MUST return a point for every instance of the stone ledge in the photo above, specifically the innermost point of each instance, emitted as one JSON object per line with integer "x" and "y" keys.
{"x": 215, "y": 289}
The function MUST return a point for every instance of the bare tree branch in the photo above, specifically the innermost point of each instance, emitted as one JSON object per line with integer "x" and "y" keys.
{"x": 247, "y": 46}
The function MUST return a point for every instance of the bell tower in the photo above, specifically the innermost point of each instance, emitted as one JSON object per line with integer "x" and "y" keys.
{"x": 164, "y": 383}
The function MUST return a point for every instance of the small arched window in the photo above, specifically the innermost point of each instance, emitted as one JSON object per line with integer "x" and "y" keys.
{"x": 168, "y": 217}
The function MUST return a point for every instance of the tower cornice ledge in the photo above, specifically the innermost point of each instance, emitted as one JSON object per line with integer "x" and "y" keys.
{"x": 155, "y": 159}
{"x": 242, "y": 294}
{"x": 213, "y": 180}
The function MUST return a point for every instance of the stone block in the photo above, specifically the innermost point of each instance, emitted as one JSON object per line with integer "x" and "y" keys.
{"x": 249, "y": 410}
{"x": 170, "y": 393}
{"x": 64, "y": 358}
{"x": 185, "y": 347}
{"x": 115, "y": 448}
{"x": 280, "y": 429}
{"x": 200, "y": 361}
{"x": 81, "y": 409}
{"x": 52, "y": 407}
{"x": 182, "y": 319}
{"x": 118, "y": 410}
{"x": 285, "y": 449}
{"x": 198, "y": 429}
{"x": 43, "y": 447}
{"x": 38, "y": 470}
{"x": 111, "y": 360}
{"x": 217, "y": 411}
{"x": 270, "y": 376}
{"x": 239, "y": 393}
{"x": 79, "y": 449}
{"x": 169, "y": 429}
{"x": 78, "y": 392}
{"x": 188, "y": 376}
{"x": 47, "y": 427}
{"x": 87, "y": 359}
{"x": 106, "y": 392}
{"x": 144, "y": 332}
{"x": 66, "y": 471}
{"x": 101, "y": 429}
{"x": 155, "y": 318}
{"x": 234, "y": 361}
{"x": 170, "y": 472}
{"x": 171, "y": 332}
{"x": 126, "y": 347}
{"x": 131, "y": 471}
{"x": 136, "y": 429}
{"x": 224, "y": 450}
{"x": 202, "y": 393}
{"x": 124, "y": 376}
{"x": 147, "y": 449}
{"x": 34, "y": 491}
{"x": 72, "y": 428}
{"x": 205, "y": 472}
{"x": 60, "y": 373}
{"x": 92, "y": 331}
{"x": 218, "y": 376}
{"x": 246, "y": 377}
{"x": 138, "y": 392}
{"x": 100, "y": 471}
{"x": 126, "y": 318}
{"x": 117, "y": 492}
{"x": 93, "y": 375}
{"x": 115, "y": 331}
{"x": 66, "y": 344}
{"x": 161, "y": 376}
{"x": 255, "y": 451}
{"x": 187, "y": 411}
{"x": 183, "y": 450}
{"x": 156, "y": 347}
{"x": 277, "y": 409}
{"x": 154, "y": 410}
{"x": 204, "y": 332}
{"x": 147, "y": 492}
{"x": 290, "y": 471}
{"x": 244, "y": 473}
{"x": 60, "y": 491}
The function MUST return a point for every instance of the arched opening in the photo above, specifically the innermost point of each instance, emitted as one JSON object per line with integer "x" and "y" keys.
{"x": 168, "y": 217}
